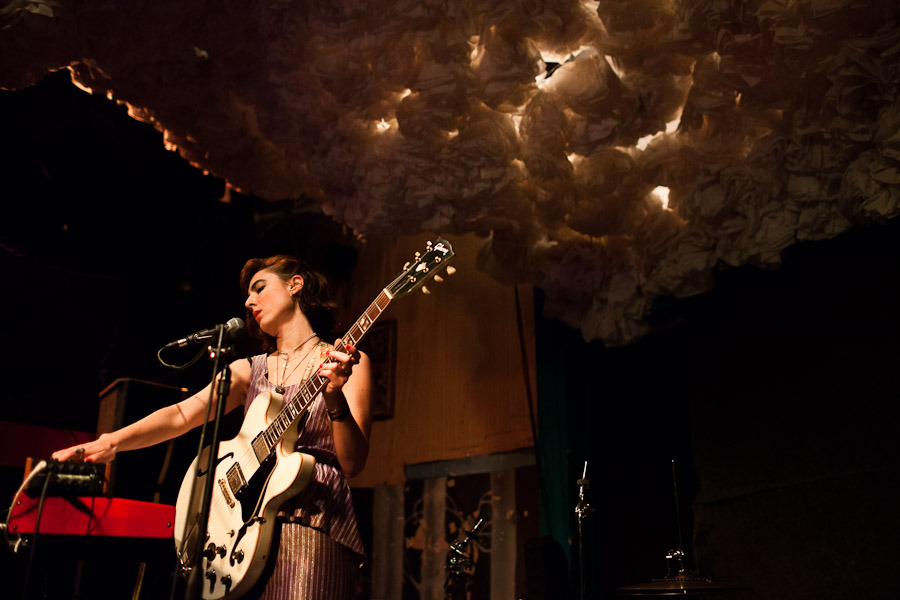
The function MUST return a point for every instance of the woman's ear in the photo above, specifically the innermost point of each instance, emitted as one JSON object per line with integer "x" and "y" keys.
{"x": 295, "y": 284}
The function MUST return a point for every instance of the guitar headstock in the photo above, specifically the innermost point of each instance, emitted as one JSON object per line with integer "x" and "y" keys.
{"x": 423, "y": 266}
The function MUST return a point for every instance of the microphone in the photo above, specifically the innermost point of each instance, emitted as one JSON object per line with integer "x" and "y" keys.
{"x": 233, "y": 330}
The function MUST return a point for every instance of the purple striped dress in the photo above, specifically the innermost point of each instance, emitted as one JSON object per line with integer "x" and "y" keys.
{"x": 319, "y": 546}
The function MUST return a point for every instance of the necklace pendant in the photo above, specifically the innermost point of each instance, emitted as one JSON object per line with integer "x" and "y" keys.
{"x": 279, "y": 389}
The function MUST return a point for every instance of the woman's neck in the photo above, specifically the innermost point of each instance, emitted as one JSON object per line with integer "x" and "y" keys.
{"x": 294, "y": 334}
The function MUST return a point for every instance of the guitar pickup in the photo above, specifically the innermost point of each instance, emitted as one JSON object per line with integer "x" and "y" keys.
{"x": 236, "y": 480}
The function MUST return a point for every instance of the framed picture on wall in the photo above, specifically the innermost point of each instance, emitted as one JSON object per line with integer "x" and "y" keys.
{"x": 380, "y": 344}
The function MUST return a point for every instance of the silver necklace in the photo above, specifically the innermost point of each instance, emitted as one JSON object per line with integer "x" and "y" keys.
{"x": 287, "y": 358}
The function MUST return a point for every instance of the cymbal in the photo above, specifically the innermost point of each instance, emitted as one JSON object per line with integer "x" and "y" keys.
{"x": 678, "y": 586}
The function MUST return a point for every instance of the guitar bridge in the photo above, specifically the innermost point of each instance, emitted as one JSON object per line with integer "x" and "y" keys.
{"x": 228, "y": 497}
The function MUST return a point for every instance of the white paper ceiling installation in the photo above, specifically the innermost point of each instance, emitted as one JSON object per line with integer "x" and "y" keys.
{"x": 672, "y": 137}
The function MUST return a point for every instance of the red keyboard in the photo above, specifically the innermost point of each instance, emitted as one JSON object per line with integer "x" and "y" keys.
{"x": 96, "y": 516}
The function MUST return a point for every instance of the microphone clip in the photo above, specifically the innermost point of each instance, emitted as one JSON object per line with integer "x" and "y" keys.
{"x": 231, "y": 332}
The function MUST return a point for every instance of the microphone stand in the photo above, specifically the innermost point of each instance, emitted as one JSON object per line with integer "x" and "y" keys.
{"x": 193, "y": 588}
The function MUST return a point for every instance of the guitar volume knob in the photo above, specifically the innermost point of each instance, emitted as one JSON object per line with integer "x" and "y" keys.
{"x": 210, "y": 552}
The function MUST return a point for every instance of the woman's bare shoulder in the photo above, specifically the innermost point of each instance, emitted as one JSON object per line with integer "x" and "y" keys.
{"x": 241, "y": 369}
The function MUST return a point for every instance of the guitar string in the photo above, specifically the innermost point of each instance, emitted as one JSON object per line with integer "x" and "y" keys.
{"x": 288, "y": 407}
{"x": 310, "y": 395}
{"x": 243, "y": 460}
{"x": 248, "y": 458}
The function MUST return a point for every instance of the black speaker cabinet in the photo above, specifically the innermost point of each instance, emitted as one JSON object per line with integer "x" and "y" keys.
{"x": 150, "y": 474}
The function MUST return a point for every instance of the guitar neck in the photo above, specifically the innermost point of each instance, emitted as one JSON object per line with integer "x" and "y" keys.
{"x": 315, "y": 384}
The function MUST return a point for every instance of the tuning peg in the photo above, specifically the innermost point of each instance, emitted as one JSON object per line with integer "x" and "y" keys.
{"x": 406, "y": 265}
{"x": 438, "y": 278}
{"x": 426, "y": 291}
{"x": 450, "y": 270}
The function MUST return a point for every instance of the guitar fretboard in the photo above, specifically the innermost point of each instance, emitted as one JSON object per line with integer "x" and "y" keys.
{"x": 312, "y": 386}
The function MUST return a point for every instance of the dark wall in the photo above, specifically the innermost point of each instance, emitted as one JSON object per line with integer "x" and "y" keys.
{"x": 795, "y": 427}
{"x": 627, "y": 413}
{"x": 111, "y": 246}
{"x": 775, "y": 393}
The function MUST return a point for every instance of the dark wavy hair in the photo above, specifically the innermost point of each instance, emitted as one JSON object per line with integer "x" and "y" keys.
{"x": 313, "y": 298}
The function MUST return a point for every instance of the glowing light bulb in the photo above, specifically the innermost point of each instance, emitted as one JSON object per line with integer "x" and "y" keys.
{"x": 662, "y": 192}
{"x": 671, "y": 126}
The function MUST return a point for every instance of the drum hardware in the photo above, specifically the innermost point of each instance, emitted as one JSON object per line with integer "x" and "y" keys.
{"x": 679, "y": 579}
{"x": 460, "y": 565}
{"x": 582, "y": 508}
{"x": 676, "y": 557}
{"x": 682, "y": 585}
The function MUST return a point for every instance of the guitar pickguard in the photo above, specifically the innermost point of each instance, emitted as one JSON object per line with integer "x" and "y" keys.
{"x": 250, "y": 496}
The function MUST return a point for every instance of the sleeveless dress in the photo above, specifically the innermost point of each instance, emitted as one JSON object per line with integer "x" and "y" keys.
{"x": 319, "y": 546}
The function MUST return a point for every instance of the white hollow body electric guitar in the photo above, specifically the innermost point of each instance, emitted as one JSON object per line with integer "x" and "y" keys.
{"x": 259, "y": 469}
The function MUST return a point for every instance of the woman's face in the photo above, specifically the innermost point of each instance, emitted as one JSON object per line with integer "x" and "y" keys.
{"x": 269, "y": 299}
